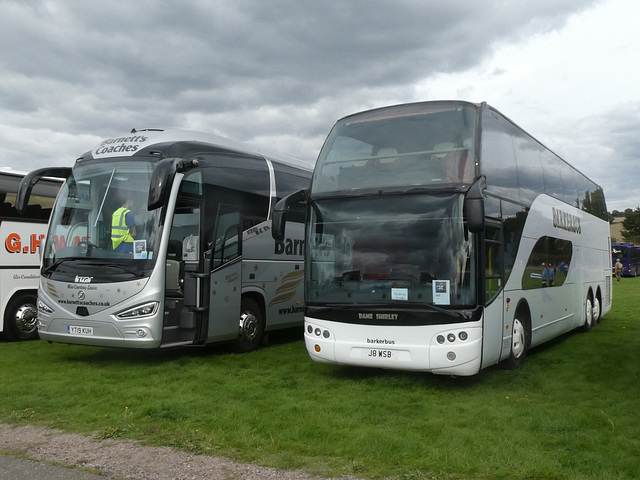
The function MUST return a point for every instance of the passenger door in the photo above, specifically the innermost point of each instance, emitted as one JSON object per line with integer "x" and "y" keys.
{"x": 225, "y": 257}
{"x": 186, "y": 280}
{"x": 493, "y": 276}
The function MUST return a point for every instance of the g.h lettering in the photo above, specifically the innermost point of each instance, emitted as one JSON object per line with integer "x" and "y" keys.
{"x": 14, "y": 243}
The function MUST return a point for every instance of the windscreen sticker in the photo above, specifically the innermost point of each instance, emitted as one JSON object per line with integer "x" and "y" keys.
{"x": 441, "y": 292}
{"x": 400, "y": 294}
{"x": 140, "y": 249}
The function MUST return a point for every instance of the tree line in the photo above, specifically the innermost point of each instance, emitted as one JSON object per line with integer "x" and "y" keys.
{"x": 630, "y": 225}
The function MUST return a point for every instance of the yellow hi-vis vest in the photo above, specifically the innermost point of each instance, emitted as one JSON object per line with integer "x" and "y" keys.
{"x": 119, "y": 229}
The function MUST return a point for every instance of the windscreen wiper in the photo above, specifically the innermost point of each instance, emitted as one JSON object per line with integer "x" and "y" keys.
{"x": 133, "y": 272}
{"x": 451, "y": 313}
{"x": 57, "y": 263}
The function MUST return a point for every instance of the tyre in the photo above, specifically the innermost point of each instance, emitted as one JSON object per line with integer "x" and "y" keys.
{"x": 21, "y": 318}
{"x": 596, "y": 311}
{"x": 519, "y": 342}
{"x": 588, "y": 315}
{"x": 251, "y": 326}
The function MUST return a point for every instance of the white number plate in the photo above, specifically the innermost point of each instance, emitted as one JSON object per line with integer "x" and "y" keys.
{"x": 79, "y": 330}
{"x": 381, "y": 353}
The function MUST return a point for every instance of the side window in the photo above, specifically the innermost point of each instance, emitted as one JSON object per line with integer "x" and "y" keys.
{"x": 237, "y": 195}
{"x": 529, "y": 169}
{"x": 40, "y": 203}
{"x": 548, "y": 264}
{"x": 552, "y": 177}
{"x": 237, "y": 180}
{"x": 514, "y": 217}
{"x": 227, "y": 243}
{"x": 9, "y": 187}
{"x": 568, "y": 184}
{"x": 498, "y": 161}
{"x": 596, "y": 204}
{"x": 192, "y": 184}
{"x": 583, "y": 190}
{"x": 288, "y": 181}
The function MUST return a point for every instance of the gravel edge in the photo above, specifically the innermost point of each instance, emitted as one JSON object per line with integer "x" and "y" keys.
{"x": 127, "y": 459}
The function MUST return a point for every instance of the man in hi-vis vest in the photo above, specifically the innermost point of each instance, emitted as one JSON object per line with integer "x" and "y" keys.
{"x": 123, "y": 228}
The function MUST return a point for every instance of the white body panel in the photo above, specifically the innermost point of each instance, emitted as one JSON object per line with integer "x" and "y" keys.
{"x": 19, "y": 259}
{"x": 400, "y": 348}
{"x": 557, "y": 310}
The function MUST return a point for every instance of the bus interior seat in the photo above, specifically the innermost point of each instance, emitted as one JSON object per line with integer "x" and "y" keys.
{"x": 388, "y": 155}
{"x": 367, "y": 173}
{"x": 174, "y": 267}
{"x": 441, "y": 162}
{"x": 174, "y": 250}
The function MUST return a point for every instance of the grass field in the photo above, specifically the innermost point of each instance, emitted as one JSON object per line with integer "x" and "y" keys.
{"x": 570, "y": 412}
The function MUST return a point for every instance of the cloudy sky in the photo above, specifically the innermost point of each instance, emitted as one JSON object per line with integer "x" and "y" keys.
{"x": 279, "y": 73}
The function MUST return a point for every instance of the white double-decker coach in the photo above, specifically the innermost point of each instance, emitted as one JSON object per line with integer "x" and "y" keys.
{"x": 200, "y": 266}
{"x": 442, "y": 237}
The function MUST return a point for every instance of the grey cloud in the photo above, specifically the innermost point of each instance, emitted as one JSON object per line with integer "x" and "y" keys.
{"x": 318, "y": 47}
{"x": 606, "y": 148}
{"x": 98, "y": 68}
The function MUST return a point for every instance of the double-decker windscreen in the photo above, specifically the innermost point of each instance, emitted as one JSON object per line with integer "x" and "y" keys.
{"x": 386, "y": 220}
{"x": 403, "y": 249}
{"x": 100, "y": 224}
{"x": 409, "y": 145}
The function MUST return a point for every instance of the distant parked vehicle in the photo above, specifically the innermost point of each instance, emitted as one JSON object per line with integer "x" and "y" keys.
{"x": 629, "y": 255}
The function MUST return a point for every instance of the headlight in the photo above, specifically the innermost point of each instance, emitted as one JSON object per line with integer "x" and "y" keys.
{"x": 145, "y": 310}
{"x": 44, "y": 308}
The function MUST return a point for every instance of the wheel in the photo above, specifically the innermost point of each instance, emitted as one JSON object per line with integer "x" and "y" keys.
{"x": 588, "y": 316}
{"x": 251, "y": 327}
{"x": 596, "y": 311}
{"x": 519, "y": 335}
{"x": 21, "y": 318}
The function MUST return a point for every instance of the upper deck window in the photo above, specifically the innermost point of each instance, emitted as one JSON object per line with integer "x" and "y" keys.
{"x": 403, "y": 146}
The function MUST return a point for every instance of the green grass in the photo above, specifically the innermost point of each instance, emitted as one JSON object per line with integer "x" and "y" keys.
{"x": 570, "y": 412}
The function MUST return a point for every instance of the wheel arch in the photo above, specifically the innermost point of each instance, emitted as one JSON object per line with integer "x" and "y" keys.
{"x": 257, "y": 297}
{"x": 11, "y": 333}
